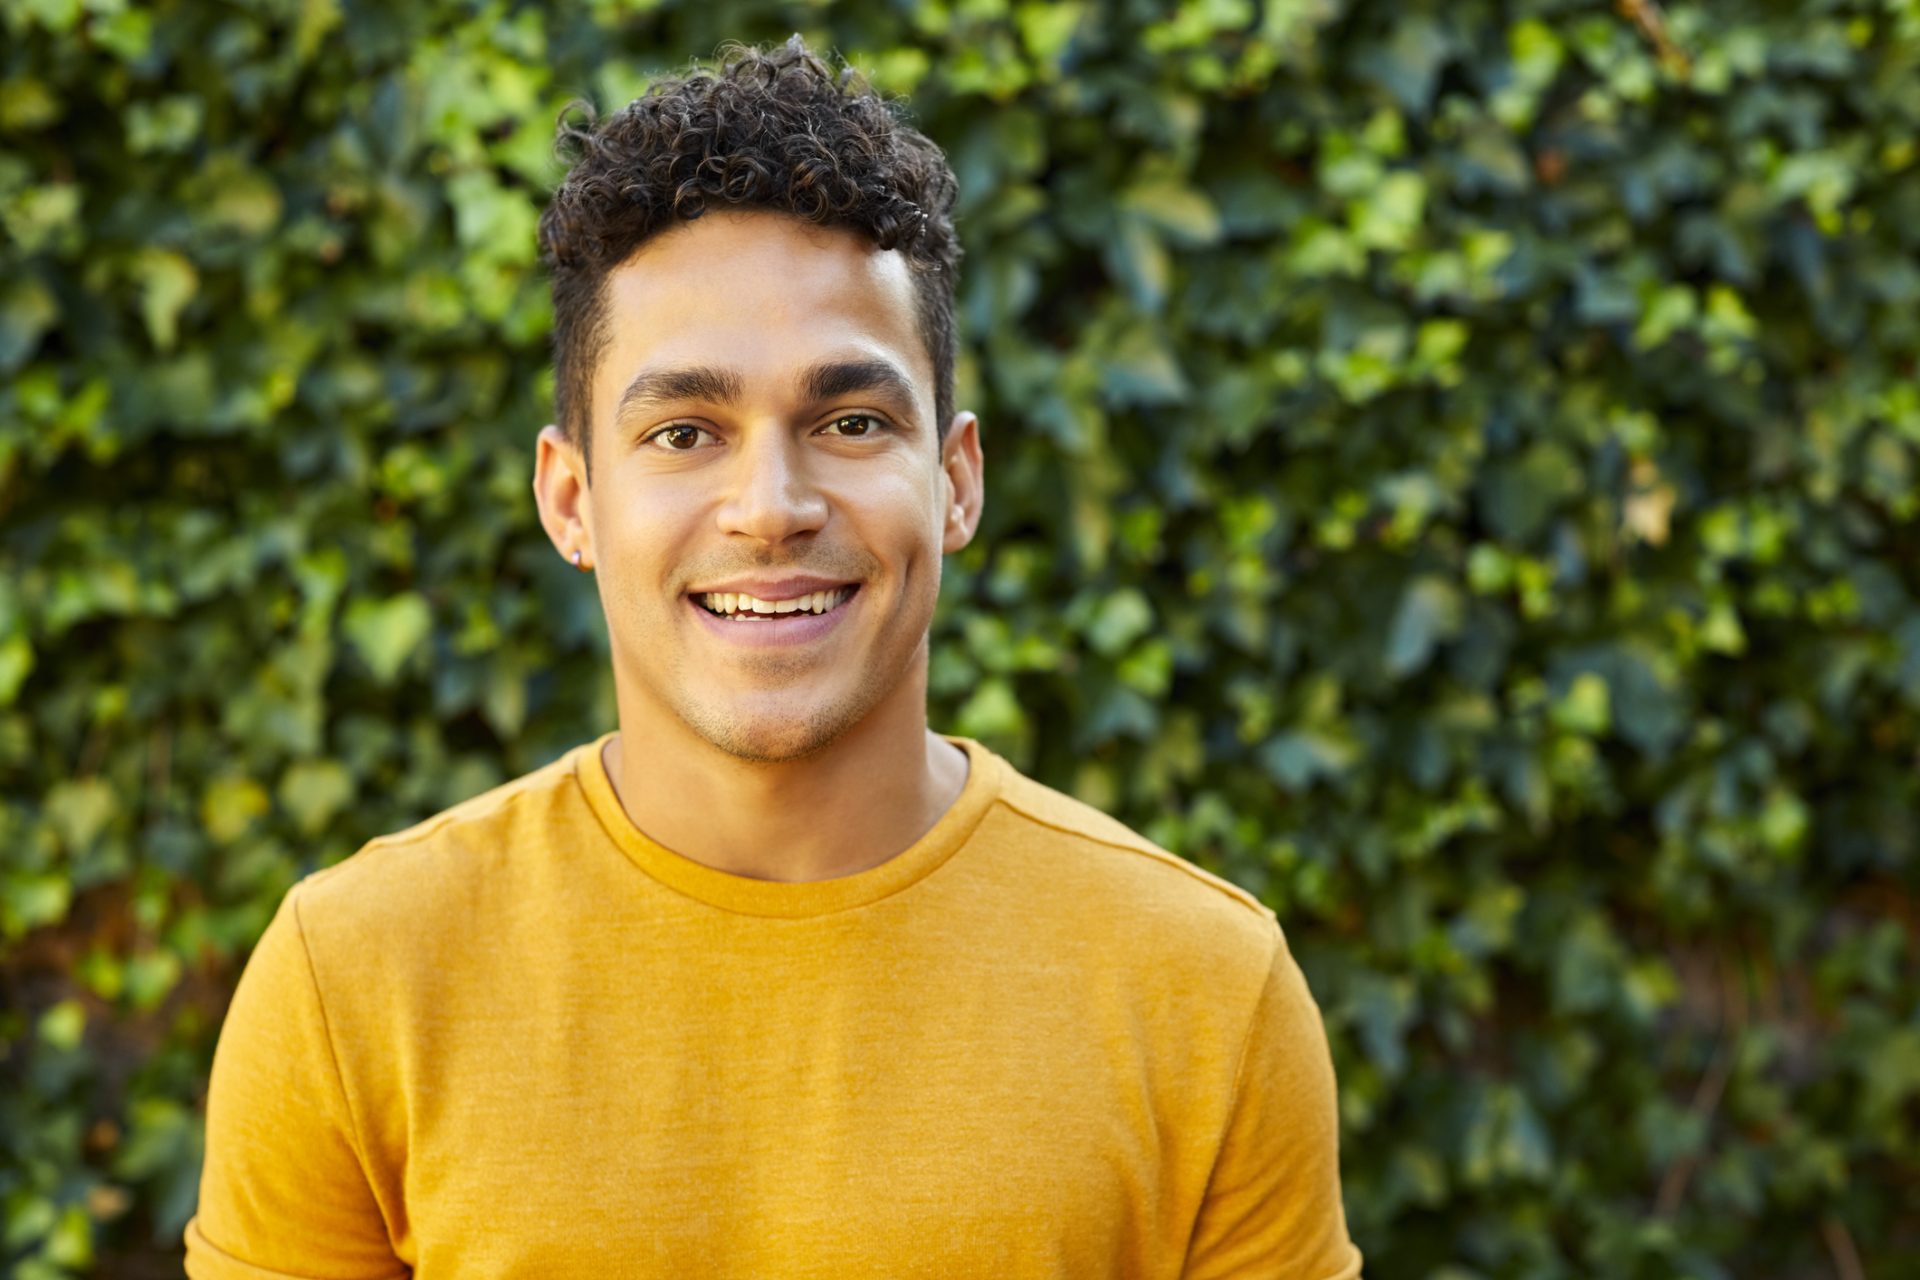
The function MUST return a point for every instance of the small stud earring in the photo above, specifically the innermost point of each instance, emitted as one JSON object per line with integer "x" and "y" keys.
{"x": 576, "y": 559}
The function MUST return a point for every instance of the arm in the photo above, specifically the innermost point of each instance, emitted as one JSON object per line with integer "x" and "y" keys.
{"x": 284, "y": 1193}
{"x": 1273, "y": 1207}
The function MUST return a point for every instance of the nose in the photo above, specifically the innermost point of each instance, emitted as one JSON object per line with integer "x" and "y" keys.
{"x": 771, "y": 495}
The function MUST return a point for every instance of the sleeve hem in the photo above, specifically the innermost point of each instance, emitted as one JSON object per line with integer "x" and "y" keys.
{"x": 208, "y": 1261}
{"x": 1351, "y": 1271}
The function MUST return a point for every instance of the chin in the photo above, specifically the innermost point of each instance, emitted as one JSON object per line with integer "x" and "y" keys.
{"x": 773, "y": 738}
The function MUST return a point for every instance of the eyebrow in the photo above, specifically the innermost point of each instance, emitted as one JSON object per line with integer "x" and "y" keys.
{"x": 651, "y": 387}
{"x": 826, "y": 380}
{"x": 831, "y": 379}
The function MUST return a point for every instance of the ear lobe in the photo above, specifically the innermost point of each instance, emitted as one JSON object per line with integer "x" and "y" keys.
{"x": 560, "y": 492}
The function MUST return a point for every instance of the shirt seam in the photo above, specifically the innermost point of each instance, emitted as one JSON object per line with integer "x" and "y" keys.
{"x": 433, "y": 826}
{"x": 333, "y": 1060}
{"x": 1230, "y": 891}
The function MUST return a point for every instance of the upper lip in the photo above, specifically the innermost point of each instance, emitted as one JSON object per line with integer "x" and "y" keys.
{"x": 772, "y": 588}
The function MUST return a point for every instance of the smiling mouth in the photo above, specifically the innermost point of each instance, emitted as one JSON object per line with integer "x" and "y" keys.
{"x": 745, "y": 608}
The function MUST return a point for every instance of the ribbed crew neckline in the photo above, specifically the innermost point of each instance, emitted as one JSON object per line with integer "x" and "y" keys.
{"x": 793, "y": 900}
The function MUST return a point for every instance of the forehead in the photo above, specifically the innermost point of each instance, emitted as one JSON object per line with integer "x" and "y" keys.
{"x": 760, "y": 293}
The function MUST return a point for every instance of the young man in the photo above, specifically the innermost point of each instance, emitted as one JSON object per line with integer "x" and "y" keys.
{"x": 772, "y": 981}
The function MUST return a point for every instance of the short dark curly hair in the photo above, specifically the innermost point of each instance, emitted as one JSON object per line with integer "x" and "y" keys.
{"x": 774, "y": 129}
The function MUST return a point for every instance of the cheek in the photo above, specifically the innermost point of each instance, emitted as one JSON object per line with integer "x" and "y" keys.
{"x": 892, "y": 523}
{"x": 643, "y": 534}
{"x": 899, "y": 491}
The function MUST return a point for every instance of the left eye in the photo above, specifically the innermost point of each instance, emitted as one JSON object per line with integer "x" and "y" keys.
{"x": 677, "y": 437}
{"x": 867, "y": 423}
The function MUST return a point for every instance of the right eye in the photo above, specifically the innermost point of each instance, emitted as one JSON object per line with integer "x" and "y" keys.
{"x": 675, "y": 437}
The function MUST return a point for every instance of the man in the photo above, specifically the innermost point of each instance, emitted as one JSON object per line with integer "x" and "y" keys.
{"x": 772, "y": 980}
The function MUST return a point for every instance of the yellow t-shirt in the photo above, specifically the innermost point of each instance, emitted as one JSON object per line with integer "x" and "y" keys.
{"x": 523, "y": 1040}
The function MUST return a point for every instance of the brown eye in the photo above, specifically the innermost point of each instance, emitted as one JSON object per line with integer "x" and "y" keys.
{"x": 681, "y": 437}
{"x": 867, "y": 423}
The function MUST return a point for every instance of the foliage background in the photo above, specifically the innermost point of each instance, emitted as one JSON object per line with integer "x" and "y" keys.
{"x": 1452, "y": 469}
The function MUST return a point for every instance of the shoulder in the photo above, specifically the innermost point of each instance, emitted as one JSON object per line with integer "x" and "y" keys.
{"x": 1192, "y": 955}
{"x": 447, "y": 862}
{"x": 1122, "y": 851}
{"x": 1148, "y": 893}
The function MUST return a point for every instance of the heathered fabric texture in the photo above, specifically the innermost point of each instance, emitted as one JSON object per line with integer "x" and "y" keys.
{"x": 523, "y": 1040}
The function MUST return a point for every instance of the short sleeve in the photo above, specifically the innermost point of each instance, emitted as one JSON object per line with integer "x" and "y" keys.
{"x": 283, "y": 1192}
{"x": 1273, "y": 1207}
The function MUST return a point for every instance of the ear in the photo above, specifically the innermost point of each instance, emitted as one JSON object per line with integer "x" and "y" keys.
{"x": 560, "y": 490}
{"x": 965, "y": 471}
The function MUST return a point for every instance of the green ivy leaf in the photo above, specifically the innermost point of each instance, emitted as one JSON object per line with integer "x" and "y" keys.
{"x": 167, "y": 283}
{"x": 80, "y": 810}
{"x": 1181, "y": 212}
{"x": 27, "y": 310}
{"x": 230, "y": 806}
{"x": 1300, "y": 757}
{"x": 1121, "y": 618}
{"x": 313, "y": 791}
{"x": 63, "y": 1024}
{"x": 16, "y": 664}
{"x": 991, "y": 713}
{"x": 386, "y": 633}
{"x": 1430, "y": 610}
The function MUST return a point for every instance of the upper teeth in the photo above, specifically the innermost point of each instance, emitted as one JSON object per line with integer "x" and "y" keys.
{"x": 737, "y": 602}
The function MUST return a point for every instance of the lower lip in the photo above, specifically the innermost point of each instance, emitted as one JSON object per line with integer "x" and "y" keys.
{"x": 776, "y": 630}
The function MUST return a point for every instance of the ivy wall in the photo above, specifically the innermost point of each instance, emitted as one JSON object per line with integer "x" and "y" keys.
{"x": 1452, "y": 470}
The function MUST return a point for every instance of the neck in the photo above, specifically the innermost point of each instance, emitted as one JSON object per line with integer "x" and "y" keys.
{"x": 868, "y": 795}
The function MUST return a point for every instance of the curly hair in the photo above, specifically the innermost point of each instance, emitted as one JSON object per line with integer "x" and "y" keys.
{"x": 773, "y": 129}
